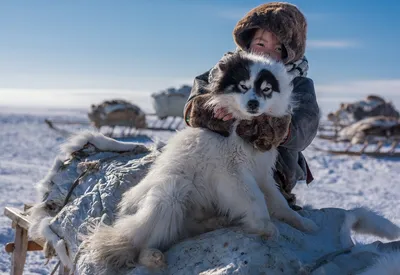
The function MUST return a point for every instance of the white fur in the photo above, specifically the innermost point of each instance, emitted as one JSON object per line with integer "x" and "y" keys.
{"x": 75, "y": 143}
{"x": 387, "y": 264}
{"x": 100, "y": 141}
{"x": 57, "y": 243}
{"x": 365, "y": 221}
{"x": 278, "y": 105}
{"x": 45, "y": 185}
{"x": 198, "y": 174}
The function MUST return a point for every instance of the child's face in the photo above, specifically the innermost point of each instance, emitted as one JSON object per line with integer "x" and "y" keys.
{"x": 266, "y": 43}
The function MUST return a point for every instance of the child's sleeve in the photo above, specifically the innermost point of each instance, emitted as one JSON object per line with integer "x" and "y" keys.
{"x": 305, "y": 118}
{"x": 199, "y": 83}
{"x": 197, "y": 89}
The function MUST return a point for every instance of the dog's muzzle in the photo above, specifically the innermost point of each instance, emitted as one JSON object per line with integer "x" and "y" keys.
{"x": 252, "y": 106}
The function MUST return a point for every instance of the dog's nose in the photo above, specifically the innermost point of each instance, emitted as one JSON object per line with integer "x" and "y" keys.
{"x": 253, "y": 104}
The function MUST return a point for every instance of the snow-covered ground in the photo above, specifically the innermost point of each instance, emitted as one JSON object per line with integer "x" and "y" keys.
{"x": 28, "y": 147}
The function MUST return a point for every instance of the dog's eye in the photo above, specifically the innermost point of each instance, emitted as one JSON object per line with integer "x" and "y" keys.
{"x": 243, "y": 87}
{"x": 267, "y": 90}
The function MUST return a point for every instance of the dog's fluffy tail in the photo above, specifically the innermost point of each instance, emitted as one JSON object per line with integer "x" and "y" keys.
{"x": 158, "y": 222}
{"x": 388, "y": 264}
{"x": 365, "y": 221}
{"x": 110, "y": 247}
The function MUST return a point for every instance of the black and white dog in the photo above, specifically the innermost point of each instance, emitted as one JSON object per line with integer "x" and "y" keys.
{"x": 200, "y": 172}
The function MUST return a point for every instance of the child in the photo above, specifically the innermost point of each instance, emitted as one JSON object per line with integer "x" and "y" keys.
{"x": 278, "y": 30}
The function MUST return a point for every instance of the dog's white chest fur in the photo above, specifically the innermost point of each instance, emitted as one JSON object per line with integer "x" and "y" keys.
{"x": 214, "y": 164}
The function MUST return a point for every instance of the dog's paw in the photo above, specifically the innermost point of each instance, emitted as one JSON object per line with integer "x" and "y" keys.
{"x": 152, "y": 258}
{"x": 309, "y": 226}
{"x": 265, "y": 229}
{"x": 270, "y": 232}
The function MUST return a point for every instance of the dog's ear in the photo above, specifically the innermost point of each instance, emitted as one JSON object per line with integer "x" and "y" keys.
{"x": 222, "y": 63}
{"x": 216, "y": 72}
{"x": 221, "y": 66}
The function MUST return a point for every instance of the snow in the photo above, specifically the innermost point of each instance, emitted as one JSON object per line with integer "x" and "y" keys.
{"x": 28, "y": 148}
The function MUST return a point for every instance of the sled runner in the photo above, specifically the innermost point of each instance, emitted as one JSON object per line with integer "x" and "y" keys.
{"x": 381, "y": 148}
{"x": 170, "y": 124}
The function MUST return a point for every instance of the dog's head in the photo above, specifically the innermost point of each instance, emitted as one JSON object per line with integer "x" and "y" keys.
{"x": 249, "y": 85}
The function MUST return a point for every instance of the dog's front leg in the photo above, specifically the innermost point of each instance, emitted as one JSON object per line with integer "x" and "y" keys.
{"x": 242, "y": 198}
{"x": 280, "y": 209}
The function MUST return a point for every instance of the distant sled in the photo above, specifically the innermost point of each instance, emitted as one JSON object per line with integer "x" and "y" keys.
{"x": 120, "y": 118}
{"x": 367, "y": 127}
{"x": 377, "y": 136}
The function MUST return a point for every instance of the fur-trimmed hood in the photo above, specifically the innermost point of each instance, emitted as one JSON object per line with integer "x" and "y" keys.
{"x": 283, "y": 19}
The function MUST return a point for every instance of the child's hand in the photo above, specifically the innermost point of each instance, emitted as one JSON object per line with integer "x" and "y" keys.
{"x": 205, "y": 118}
{"x": 222, "y": 113}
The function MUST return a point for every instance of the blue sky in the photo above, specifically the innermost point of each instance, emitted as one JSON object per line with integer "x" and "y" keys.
{"x": 124, "y": 44}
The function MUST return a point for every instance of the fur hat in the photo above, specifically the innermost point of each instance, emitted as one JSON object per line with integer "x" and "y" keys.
{"x": 283, "y": 19}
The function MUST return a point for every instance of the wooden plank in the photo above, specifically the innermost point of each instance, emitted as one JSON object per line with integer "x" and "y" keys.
{"x": 379, "y": 146}
{"x": 20, "y": 249}
{"x": 364, "y": 147}
{"x": 18, "y": 217}
{"x": 394, "y": 146}
{"x": 349, "y": 147}
{"x": 9, "y": 248}
{"x": 51, "y": 123}
{"x": 328, "y": 137}
{"x": 32, "y": 246}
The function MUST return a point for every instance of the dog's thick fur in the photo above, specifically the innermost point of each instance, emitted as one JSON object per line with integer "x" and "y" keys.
{"x": 387, "y": 264}
{"x": 201, "y": 173}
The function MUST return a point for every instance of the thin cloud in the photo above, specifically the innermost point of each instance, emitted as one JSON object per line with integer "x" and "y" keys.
{"x": 332, "y": 44}
{"x": 385, "y": 87}
{"x": 58, "y": 81}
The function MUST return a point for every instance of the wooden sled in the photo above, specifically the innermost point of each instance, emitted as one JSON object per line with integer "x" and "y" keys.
{"x": 368, "y": 137}
{"x": 329, "y": 130}
{"x": 169, "y": 124}
{"x": 22, "y": 245}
